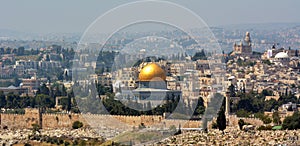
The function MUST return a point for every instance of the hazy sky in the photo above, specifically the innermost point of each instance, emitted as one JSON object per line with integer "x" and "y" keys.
{"x": 48, "y": 16}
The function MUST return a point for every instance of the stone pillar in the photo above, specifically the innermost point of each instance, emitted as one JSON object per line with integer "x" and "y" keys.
{"x": 227, "y": 105}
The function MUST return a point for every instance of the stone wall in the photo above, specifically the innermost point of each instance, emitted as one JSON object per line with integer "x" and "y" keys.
{"x": 50, "y": 121}
{"x": 60, "y": 120}
{"x": 233, "y": 121}
{"x": 33, "y": 116}
{"x": 14, "y": 121}
{"x": 26, "y": 120}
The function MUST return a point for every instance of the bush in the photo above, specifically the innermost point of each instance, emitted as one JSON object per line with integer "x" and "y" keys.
{"x": 241, "y": 124}
{"x": 77, "y": 124}
{"x": 66, "y": 143}
{"x": 267, "y": 120}
{"x": 214, "y": 125}
{"x": 243, "y": 113}
{"x": 27, "y": 144}
{"x": 35, "y": 128}
{"x": 268, "y": 127}
{"x": 172, "y": 128}
{"x": 142, "y": 126}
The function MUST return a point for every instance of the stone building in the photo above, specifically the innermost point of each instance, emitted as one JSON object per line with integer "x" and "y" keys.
{"x": 281, "y": 58}
{"x": 243, "y": 48}
{"x": 152, "y": 86}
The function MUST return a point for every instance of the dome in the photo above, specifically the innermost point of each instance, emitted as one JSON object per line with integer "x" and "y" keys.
{"x": 281, "y": 55}
{"x": 152, "y": 72}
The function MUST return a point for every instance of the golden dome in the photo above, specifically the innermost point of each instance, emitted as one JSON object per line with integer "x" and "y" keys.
{"x": 152, "y": 72}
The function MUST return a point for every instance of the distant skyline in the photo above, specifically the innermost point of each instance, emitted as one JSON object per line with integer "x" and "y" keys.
{"x": 74, "y": 16}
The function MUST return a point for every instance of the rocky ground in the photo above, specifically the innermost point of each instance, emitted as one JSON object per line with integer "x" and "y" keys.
{"x": 235, "y": 137}
{"x": 230, "y": 136}
{"x": 10, "y": 137}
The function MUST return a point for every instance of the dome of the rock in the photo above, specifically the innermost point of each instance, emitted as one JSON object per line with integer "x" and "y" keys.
{"x": 152, "y": 72}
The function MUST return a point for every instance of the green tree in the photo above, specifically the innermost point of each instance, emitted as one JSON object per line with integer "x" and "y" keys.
{"x": 276, "y": 118}
{"x": 242, "y": 113}
{"x": 43, "y": 90}
{"x": 232, "y": 90}
{"x": 42, "y": 100}
{"x": 271, "y": 104}
{"x": 221, "y": 119}
{"x": 69, "y": 102}
{"x": 77, "y": 124}
{"x": 20, "y": 51}
{"x": 47, "y": 57}
{"x": 199, "y": 55}
{"x": 267, "y": 93}
{"x": 267, "y": 120}
{"x": 292, "y": 122}
{"x": 24, "y": 102}
{"x": 2, "y": 99}
{"x": 200, "y": 108}
{"x": 263, "y": 117}
{"x": 12, "y": 101}
{"x": 35, "y": 128}
{"x": 241, "y": 123}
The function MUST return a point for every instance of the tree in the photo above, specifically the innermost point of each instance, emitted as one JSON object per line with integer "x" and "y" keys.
{"x": 2, "y": 100}
{"x": 42, "y": 100}
{"x": 77, "y": 124}
{"x": 276, "y": 118}
{"x": 271, "y": 104}
{"x": 263, "y": 117}
{"x": 69, "y": 102}
{"x": 267, "y": 92}
{"x": 12, "y": 101}
{"x": 20, "y": 51}
{"x": 221, "y": 119}
{"x": 267, "y": 120}
{"x": 292, "y": 122}
{"x": 43, "y": 90}
{"x": 200, "y": 108}
{"x": 47, "y": 57}
{"x": 199, "y": 55}
{"x": 17, "y": 81}
{"x": 232, "y": 90}
{"x": 241, "y": 123}
{"x": 35, "y": 128}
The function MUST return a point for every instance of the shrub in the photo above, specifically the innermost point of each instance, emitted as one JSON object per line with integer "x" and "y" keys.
{"x": 268, "y": 127}
{"x": 27, "y": 144}
{"x": 142, "y": 125}
{"x": 292, "y": 122}
{"x": 241, "y": 124}
{"x": 35, "y": 128}
{"x": 66, "y": 143}
{"x": 214, "y": 125}
{"x": 77, "y": 124}
{"x": 172, "y": 128}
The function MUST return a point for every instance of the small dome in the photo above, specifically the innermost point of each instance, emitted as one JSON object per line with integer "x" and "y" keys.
{"x": 281, "y": 55}
{"x": 151, "y": 72}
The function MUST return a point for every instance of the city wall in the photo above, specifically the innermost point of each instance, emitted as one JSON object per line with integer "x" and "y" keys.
{"x": 52, "y": 121}
{"x": 13, "y": 121}
{"x": 233, "y": 121}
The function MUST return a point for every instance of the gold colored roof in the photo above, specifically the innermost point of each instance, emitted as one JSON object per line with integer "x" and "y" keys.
{"x": 152, "y": 72}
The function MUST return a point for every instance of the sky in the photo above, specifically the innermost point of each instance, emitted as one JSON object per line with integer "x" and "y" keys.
{"x": 74, "y": 16}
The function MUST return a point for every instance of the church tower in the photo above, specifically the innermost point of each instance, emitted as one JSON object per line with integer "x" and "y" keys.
{"x": 243, "y": 48}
